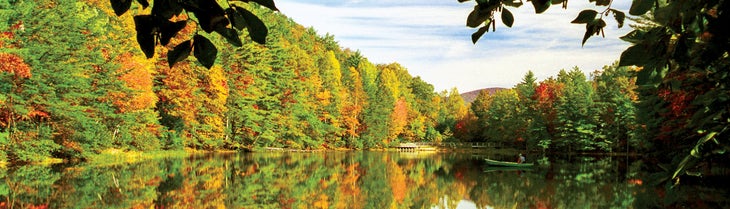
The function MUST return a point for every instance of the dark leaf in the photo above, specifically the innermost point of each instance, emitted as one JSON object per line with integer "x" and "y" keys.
{"x": 121, "y": 6}
{"x": 256, "y": 28}
{"x": 634, "y": 36}
{"x": 603, "y": 2}
{"x": 204, "y": 51}
{"x": 476, "y": 17}
{"x": 210, "y": 15}
{"x": 640, "y": 7}
{"x": 267, "y": 3}
{"x": 169, "y": 30}
{"x": 599, "y": 24}
{"x": 507, "y": 17}
{"x": 541, "y": 5}
{"x": 588, "y": 34}
{"x": 218, "y": 21}
{"x": 593, "y": 27}
{"x": 461, "y": 1}
{"x": 638, "y": 55}
{"x": 585, "y": 16}
{"x": 475, "y": 37}
{"x": 179, "y": 53}
{"x": 144, "y": 3}
{"x": 619, "y": 16}
{"x": 144, "y": 24}
{"x": 231, "y": 36}
{"x": 236, "y": 18}
{"x": 147, "y": 44}
{"x": 166, "y": 8}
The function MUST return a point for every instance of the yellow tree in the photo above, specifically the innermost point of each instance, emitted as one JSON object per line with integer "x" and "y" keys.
{"x": 332, "y": 93}
{"x": 213, "y": 106}
{"x": 353, "y": 106}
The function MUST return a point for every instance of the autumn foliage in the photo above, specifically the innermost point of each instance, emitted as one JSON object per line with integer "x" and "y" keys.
{"x": 10, "y": 63}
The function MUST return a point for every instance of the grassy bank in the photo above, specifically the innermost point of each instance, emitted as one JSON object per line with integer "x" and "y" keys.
{"x": 116, "y": 156}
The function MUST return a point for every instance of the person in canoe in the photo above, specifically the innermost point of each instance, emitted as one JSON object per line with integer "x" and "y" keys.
{"x": 521, "y": 159}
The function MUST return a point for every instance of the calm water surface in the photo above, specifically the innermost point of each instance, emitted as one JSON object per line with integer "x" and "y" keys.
{"x": 326, "y": 180}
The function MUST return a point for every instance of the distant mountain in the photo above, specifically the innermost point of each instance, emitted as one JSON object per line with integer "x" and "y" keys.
{"x": 472, "y": 95}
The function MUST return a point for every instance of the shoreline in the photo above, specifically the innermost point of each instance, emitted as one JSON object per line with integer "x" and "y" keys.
{"x": 117, "y": 156}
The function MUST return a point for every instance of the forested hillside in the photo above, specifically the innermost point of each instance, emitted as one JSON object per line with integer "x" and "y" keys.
{"x": 472, "y": 95}
{"x": 74, "y": 84}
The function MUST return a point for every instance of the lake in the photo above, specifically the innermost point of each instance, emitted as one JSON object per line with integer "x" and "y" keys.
{"x": 328, "y": 180}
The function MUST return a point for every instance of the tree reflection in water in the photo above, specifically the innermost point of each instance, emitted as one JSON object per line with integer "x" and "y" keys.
{"x": 329, "y": 180}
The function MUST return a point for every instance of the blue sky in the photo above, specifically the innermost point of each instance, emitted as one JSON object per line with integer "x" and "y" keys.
{"x": 429, "y": 37}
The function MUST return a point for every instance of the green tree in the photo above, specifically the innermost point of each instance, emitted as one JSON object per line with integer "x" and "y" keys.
{"x": 248, "y": 100}
{"x": 577, "y": 114}
{"x": 377, "y": 115}
{"x": 503, "y": 118}
{"x": 480, "y": 108}
{"x": 451, "y": 109}
{"x": 425, "y": 97}
{"x": 615, "y": 92}
{"x": 526, "y": 93}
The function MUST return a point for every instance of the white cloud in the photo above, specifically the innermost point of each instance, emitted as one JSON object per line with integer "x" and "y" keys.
{"x": 430, "y": 39}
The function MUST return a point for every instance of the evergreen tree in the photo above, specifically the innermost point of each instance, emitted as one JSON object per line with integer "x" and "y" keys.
{"x": 578, "y": 127}
{"x": 615, "y": 91}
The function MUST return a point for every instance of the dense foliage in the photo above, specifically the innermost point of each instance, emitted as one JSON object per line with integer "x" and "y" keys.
{"x": 682, "y": 48}
{"x": 73, "y": 84}
{"x": 569, "y": 113}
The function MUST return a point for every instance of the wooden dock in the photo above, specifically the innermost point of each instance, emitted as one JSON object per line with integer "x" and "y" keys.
{"x": 431, "y": 146}
{"x": 415, "y": 147}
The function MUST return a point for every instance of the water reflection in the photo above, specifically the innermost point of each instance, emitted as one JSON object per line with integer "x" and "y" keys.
{"x": 324, "y": 180}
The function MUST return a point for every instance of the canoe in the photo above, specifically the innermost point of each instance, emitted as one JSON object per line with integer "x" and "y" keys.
{"x": 507, "y": 164}
{"x": 506, "y": 168}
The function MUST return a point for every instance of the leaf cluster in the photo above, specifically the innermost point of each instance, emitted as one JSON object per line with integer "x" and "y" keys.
{"x": 595, "y": 23}
{"x": 483, "y": 14}
{"x": 156, "y": 28}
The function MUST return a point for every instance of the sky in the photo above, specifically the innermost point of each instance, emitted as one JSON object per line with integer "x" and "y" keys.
{"x": 430, "y": 39}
